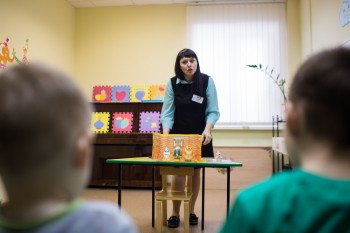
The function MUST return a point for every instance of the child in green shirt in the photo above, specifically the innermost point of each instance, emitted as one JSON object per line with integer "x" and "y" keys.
{"x": 315, "y": 196}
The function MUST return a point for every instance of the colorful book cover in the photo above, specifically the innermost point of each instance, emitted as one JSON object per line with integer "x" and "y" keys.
{"x": 139, "y": 93}
{"x": 122, "y": 122}
{"x": 121, "y": 93}
{"x": 157, "y": 92}
{"x": 100, "y": 122}
{"x": 101, "y": 94}
{"x": 149, "y": 122}
{"x": 177, "y": 147}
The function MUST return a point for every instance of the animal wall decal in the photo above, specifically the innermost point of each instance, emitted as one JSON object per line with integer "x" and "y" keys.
{"x": 8, "y": 56}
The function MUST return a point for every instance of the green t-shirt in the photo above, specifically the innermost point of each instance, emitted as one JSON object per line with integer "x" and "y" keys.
{"x": 295, "y": 201}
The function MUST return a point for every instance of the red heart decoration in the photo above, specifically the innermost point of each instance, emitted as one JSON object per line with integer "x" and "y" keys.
{"x": 120, "y": 95}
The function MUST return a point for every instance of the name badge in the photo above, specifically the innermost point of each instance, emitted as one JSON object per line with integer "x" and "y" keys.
{"x": 197, "y": 99}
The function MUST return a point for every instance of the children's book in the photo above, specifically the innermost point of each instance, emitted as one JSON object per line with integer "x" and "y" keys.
{"x": 122, "y": 122}
{"x": 149, "y": 122}
{"x": 100, "y": 122}
{"x": 120, "y": 93}
{"x": 101, "y": 94}
{"x": 177, "y": 147}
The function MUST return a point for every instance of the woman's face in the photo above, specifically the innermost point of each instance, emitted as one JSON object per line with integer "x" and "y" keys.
{"x": 188, "y": 66}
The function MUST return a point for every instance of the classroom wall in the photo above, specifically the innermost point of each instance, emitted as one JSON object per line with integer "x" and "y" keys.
{"x": 122, "y": 45}
{"x": 294, "y": 37}
{"x": 305, "y": 28}
{"x": 321, "y": 28}
{"x": 95, "y": 43}
{"x": 49, "y": 26}
{"x": 128, "y": 45}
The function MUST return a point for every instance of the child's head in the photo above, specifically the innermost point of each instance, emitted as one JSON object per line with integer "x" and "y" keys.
{"x": 319, "y": 102}
{"x": 44, "y": 139}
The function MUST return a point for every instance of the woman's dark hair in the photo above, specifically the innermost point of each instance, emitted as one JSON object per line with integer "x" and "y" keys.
{"x": 322, "y": 87}
{"x": 197, "y": 83}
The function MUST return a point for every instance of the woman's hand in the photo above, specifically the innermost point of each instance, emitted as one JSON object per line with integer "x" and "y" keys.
{"x": 166, "y": 130}
{"x": 207, "y": 137}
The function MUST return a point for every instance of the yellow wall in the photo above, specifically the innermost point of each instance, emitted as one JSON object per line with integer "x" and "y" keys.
{"x": 305, "y": 24}
{"x": 128, "y": 45}
{"x": 321, "y": 26}
{"x": 294, "y": 37}
{"x": 49, "y": 26}
{"x": 242, "y": 138}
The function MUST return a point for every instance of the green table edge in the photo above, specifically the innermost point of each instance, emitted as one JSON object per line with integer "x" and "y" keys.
{"x": 206, "y": 162}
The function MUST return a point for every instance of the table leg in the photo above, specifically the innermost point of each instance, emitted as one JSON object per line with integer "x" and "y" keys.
{"x": 203, "y": 187}
{"x": 228, "y": 190}
{"x": 120, "y": 186}
{"x": 153, "y": 193}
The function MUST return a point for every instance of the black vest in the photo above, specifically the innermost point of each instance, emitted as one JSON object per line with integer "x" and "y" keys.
{"x": 189, "y": 116}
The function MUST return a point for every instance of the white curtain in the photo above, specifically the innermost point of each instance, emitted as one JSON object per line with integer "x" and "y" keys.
{"x": 226, "y": 39}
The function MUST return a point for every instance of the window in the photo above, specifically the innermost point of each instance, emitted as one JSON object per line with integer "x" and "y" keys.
{"x": 226, "y": 39}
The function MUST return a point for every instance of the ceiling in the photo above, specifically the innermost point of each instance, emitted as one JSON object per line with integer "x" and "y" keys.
{"x": 104, "y": 3}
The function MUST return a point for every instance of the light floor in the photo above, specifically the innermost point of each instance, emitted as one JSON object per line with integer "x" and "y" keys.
{"x": 137, "y": 202}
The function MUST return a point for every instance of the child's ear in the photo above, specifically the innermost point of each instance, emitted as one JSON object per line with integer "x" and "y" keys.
{"x": 293, "y": 119}
{"x": 83, "y": 149}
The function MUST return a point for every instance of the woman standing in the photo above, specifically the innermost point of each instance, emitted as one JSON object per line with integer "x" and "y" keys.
{"x": 190, "y": 107}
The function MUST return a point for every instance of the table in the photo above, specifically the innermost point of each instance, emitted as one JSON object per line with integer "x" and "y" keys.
{"x": 205, "y": 162}
{"x": 279, "y": 150}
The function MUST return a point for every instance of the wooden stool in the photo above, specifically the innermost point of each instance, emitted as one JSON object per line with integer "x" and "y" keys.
{"x": 164, "y": 195}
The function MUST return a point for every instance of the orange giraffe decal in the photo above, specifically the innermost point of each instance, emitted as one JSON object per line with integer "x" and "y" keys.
{"x": 5, "y": 54}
